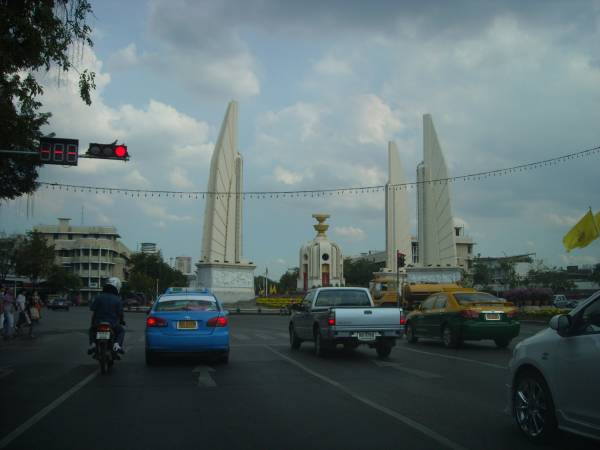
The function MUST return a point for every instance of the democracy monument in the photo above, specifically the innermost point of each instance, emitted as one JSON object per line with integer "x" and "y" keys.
{"x": 222, "y": 267}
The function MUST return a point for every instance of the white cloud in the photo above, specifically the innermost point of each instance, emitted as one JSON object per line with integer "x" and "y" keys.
{"x": 376, "y": 123}
{"x": 331, "y": 66}
{"x": 124, "y": 58}
{"x": 287, "y": 176}
{"x": 160, "y": 212}
{"x": 561, "y": 220}
{"x": 350, "y": 233}
{"x": 179, "y": 179}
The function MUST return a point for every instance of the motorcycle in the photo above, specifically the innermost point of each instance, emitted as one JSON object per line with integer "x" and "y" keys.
{"x": 105, "y": 339}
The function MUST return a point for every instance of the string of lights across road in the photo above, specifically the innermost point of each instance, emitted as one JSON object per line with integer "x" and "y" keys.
{"x": 322, "y": 192}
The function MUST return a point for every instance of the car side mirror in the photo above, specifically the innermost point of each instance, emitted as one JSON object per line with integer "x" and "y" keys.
{"x": 561, "y": 323}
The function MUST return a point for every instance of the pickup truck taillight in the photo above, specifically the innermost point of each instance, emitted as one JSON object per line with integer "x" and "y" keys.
{"x": 331, "y": 320}
{"x": 402, "y": 319}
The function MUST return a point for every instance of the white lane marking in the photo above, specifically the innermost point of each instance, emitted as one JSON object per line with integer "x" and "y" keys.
{"x": 263, "y": 336}
{"x": 240, "y": 336}
{"x": 399, "y": 367}
{"x": 204, "y": 377}
{"x": 44, "y": 412}
{"x": 456, "y": 358}
{"x": 396, "y": 415}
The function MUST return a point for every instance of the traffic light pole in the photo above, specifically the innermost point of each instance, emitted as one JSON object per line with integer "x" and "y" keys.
{"x": 398, "y": 283}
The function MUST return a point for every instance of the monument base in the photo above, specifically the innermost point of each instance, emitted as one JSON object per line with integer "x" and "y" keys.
{"x": 229, "y": 282}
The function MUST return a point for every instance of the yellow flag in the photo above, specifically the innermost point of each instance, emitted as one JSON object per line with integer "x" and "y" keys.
{"x": 582, "y": 234}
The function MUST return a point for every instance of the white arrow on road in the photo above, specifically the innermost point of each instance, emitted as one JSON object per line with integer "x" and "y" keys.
{"x": 399, "y": 367}
{"x": 204, "y": 377}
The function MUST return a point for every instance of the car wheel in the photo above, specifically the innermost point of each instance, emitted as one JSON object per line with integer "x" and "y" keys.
{"x": 295, "y": 342}
{"x": 151, "y": 358}
{"x": 533, "y": 408}
{"x": 383, "y": 349}
{"x": 502, "y": 343}
{"x": 410, "y": 334}
{"x": 449, "y": 337}
{"x": 319, "y": 350}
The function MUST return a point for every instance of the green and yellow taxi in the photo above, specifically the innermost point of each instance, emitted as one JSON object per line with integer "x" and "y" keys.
{"x": 463, "y": 314}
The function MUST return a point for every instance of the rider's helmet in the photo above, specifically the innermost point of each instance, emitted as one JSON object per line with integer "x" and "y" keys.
{"x": 114, "y": 284}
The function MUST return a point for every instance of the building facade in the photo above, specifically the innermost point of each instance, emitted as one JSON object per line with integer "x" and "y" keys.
{"x": 148, "y": 247}
{"x": 464, "y": 252}
{"x": 321, "y": 262}
{"x": 184, "y": 264}
{"x": 93, "y": 253}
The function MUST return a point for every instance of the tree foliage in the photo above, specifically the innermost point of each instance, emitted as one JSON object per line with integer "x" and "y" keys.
{"x": 8, "y": 251}
{"x": 144, "y": 271}
{"x": 35, "y": 35}
{"x": 543, "y": 276}
{"x": 481, "y": 274}
{"x": 61, "y": 280}
{"x": 360, "y": 272}
{"x": 289, "y": 281}
{"x": 34, "y": 258}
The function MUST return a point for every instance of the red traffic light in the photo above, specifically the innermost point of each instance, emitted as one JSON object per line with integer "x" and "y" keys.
{"x": 120, "y": 151}
{"x": 108, "y": 151}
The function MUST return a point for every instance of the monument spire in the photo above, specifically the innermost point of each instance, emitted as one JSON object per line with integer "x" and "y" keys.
{"x": 397, "y": 225}
{"x": 222, "y": 267}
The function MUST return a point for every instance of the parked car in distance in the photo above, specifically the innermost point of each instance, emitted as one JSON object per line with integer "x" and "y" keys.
{"x": 553, "y": 376}
{"x": 463, "y": 315}
{"x": 344, "y": 316}
{"x": 187, "y": 321}
{"x": 131, "y": 302}
{"x": 59, "y": 303}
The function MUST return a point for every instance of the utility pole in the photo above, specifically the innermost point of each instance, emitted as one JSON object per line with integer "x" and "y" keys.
{"x": 266, "y": 281}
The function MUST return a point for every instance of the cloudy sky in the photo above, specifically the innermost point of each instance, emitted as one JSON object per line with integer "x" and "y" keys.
{"x": 322, "y": 87}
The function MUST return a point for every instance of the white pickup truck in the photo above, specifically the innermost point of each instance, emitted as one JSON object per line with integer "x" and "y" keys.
{"x": 345, "y": 316}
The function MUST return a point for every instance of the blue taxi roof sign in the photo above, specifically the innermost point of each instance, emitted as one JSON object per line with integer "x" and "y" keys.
{"x": 187, "y": 290}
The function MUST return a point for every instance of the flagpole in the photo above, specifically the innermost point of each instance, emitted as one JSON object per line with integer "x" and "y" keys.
{"x": 594, "y": 220}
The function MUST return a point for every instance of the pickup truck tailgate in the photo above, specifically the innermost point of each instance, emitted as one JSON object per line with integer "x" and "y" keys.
{"x": 367, "y": 318}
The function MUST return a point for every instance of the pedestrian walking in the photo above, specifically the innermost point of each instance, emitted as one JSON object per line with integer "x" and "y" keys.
{"x": 2, "y": 308}
{"x": 9, "y": 314}
{"x": 23, "y": 318}
{"x": 35, "y": 310}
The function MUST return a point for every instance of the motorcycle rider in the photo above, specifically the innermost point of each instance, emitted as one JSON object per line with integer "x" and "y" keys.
{"x": 107, "y": 307}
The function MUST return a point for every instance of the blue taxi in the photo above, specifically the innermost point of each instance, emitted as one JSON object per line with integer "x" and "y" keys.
{"x": 187, "y": 321}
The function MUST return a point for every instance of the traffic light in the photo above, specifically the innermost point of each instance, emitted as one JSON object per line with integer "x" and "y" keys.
{"x": 64, "y": 152}
{"x": 401, "y": 259}
{"x": 108, "y": 151}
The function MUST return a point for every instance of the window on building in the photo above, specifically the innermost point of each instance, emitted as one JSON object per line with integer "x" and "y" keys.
{"x": 85, "y": 252}
{"x": 95, "y": 252}
{"x": 85, "y": 266}
{"x": 55, "y": 237}
{"x": 94, "y": 266}
{"x": 70, "y": 237}
{"x": 103, "y": 266}
{"x": 470, "y": 249}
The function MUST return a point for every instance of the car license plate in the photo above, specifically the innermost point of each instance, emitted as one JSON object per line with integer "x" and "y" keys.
{"x": 366, "y": 336}
{"x": 493, "y": 316}
{"x": 187, "y": 324}
{"x": 103, "y": 335}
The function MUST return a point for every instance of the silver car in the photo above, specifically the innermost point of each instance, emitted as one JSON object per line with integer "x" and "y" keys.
{"x": 554, "y": 379}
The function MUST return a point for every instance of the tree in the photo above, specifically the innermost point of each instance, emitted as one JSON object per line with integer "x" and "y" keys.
{"x": 145, "y": 268}
{"x": 8, "y": 250}
{"x": 34, "y": 36}
{"x": 34, "y": 257}
{"x": 481, "y": 274}
{"x": 289, "y": 281}
{"x": 61, "y": 280}
{"x": 509, "y": 274}
{"x": 360, "y": 272}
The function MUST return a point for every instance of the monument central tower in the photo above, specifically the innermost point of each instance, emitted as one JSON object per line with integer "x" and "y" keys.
{"x": 222, "y": 267}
